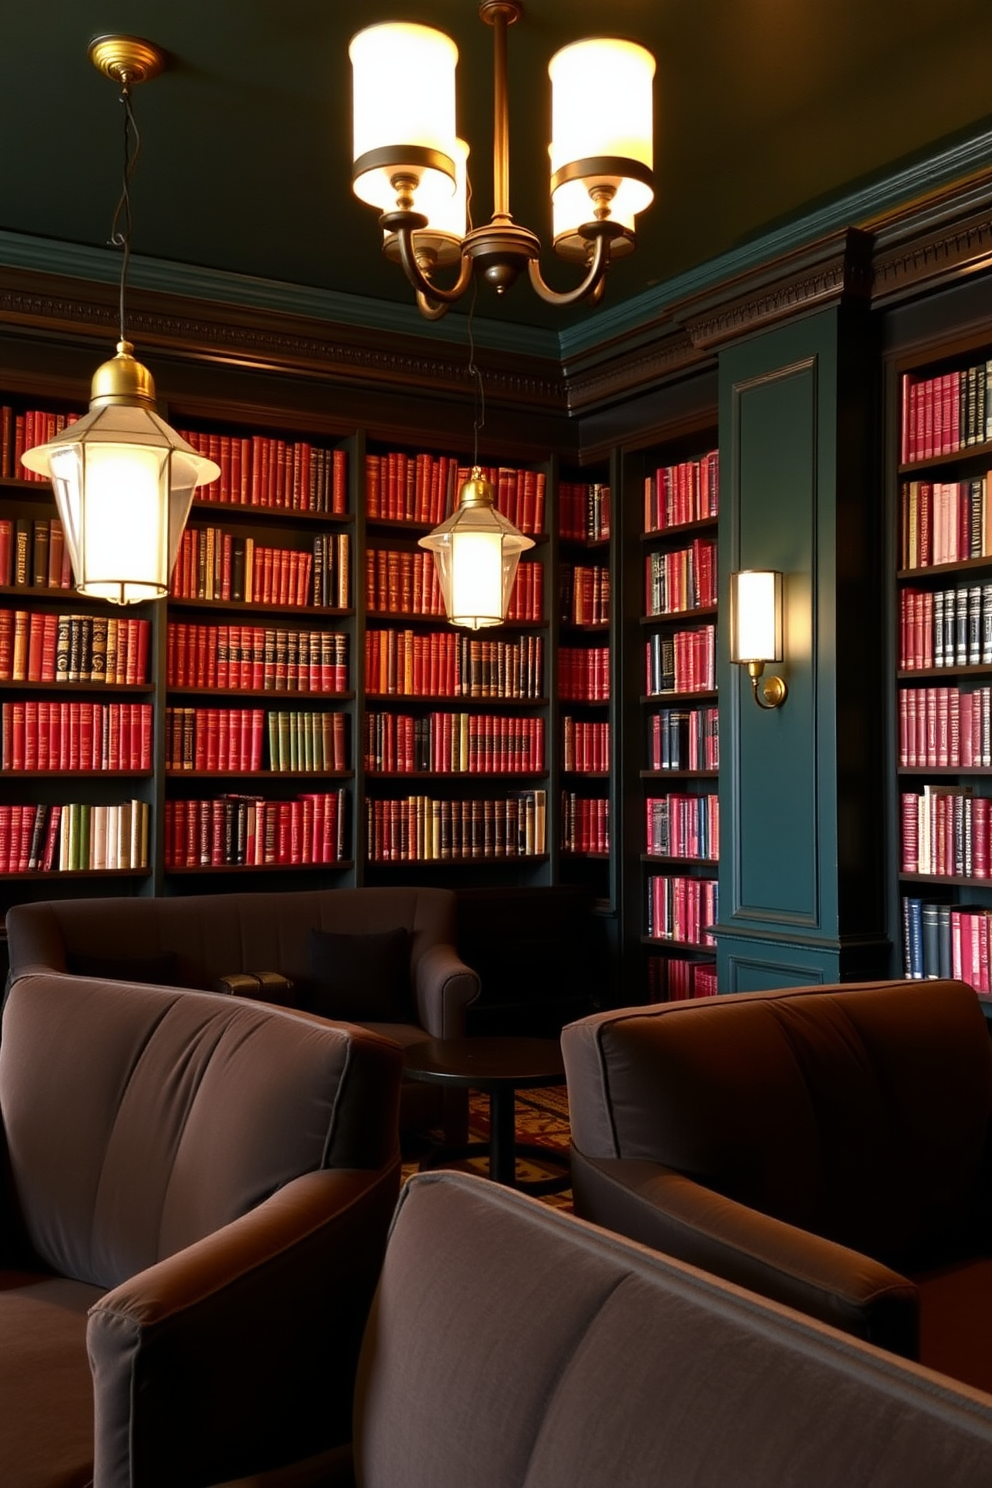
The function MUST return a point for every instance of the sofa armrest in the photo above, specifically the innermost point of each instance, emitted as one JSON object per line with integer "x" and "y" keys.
{"x": 443, "y": 987}
{"x": 238, "y": 1354}
{"x": 664, "y": 1209}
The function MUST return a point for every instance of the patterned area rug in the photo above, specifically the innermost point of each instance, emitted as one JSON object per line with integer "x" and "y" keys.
{"x": 542, "y": 1118}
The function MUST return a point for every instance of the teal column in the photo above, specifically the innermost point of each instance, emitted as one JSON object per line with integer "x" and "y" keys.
{"x": 802, "y": 788}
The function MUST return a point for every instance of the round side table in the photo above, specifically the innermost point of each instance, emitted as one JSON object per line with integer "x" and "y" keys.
{"x": 500, "y": 1067}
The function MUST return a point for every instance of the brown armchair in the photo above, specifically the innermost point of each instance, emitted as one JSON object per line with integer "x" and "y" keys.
{"x": 194, "y": 1198}
{"x": 827, "y": 1147}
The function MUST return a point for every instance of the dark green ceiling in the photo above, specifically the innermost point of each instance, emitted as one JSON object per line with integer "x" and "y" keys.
{"x": 764, "y": 109}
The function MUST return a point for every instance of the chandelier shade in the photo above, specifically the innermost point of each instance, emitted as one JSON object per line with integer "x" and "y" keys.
{"x": 476, "y": 552}
{"x": 403, "y": 115}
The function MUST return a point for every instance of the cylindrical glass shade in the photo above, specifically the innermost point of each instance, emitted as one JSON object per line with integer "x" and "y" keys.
{"x": 403, "y": 112}
{"x": 447, "y": 216}
{"x": 123, "y": 483}
{"x": 756, "y": 615}
{"x": 602, "y": 131}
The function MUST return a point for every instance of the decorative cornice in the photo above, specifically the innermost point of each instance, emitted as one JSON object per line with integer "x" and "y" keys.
{"x": 834, "y": 269}
{"x": 944, "y": 236}
{"x": 281, "y": 343}
{"x": 669, "y": 353}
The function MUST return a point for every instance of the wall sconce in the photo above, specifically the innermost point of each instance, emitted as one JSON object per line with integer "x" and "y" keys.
{"x": 756, "y": 630}
{"x": 123, "y": 480}
{"x": 476, "y": 551}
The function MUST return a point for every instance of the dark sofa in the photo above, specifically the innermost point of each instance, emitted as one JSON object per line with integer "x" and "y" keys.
{"x": 193, "y": 940}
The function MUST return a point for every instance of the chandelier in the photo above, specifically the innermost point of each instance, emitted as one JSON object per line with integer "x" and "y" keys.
{"x": 410, "y": 164}
{"x": 123, "y": 480}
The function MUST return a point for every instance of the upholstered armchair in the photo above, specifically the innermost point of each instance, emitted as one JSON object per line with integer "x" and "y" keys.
{"x": 828, "y": 1147}
{"x": 194, "y": 1198}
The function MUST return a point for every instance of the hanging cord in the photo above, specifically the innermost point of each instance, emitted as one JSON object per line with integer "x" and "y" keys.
{"x": 122, "y": 224}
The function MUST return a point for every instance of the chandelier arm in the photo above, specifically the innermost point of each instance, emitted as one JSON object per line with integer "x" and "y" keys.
{"x": 592, "y": 285}
{"x": 434, "y": 293}
{"x": 431, "y": 309}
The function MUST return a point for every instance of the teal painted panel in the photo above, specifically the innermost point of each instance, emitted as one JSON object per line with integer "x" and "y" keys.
{"x": 776, "y": 751}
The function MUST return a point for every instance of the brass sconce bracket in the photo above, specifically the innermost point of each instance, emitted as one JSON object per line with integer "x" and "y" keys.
{"x": 773, "y": 690}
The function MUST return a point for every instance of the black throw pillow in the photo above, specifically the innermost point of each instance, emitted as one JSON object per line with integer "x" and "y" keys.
{"x": 159, "y": 968}
{"x": 361, "y": 978}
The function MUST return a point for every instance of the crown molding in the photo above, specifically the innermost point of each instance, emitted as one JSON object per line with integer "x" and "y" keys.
{"x": 207, "y": 331}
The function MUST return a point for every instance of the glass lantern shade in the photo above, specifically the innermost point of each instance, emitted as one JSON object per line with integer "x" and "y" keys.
{"x": 601, "y": 132}
{"x": 403, "y": 113}
{"x": 123, "y": 483}
{"x": 476, "y": 552}
{"x": 756, "y": 616}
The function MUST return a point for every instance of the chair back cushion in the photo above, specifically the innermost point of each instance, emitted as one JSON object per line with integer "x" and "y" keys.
{"x": 860, "y": 1113}
{"x": 138, "y": 1119}
{"x": 512, "y": 1344}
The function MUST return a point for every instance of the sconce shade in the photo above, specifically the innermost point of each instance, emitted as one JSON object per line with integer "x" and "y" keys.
{"x": 601, "y": 133}
{"x": 476, "y": 552}
{"x": 756, "y": 615}
{"x": 123, "y": 483}
{"x": 403, "y": 113}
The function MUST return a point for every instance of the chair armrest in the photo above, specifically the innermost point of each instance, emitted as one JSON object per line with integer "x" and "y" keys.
{"x": 443, "y": 988}
{"x": 238, "y": 1354}
{"x": 818, "y": 1277}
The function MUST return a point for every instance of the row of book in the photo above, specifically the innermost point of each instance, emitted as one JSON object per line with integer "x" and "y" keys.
{"x": 39, "y": 735}
{"x": 453, "y": 744}
{"x": 268, "y": 471}
{"x": 944, "y": 521}
{"x": 585, "y": 594}
{"x": 585, "y": 823}
{"x": 256, "y": 658}
{"x": 943, "y": 726}
{"x": 684, "y": 579}
{"x": 424, "y": 488}
{"x": 238, "y": 741}
{"x": 681, "y": 661}
{"x": 74, "y": 837}
{"x": 684, "y": 739}
{"x": 686, "y": 492}
{"x": 946, "y": 413}
{"x": 214, "y": 564}
{"x": 419, "y": 829}
{"x": 583, "y": 511}
{"x": 945, "y": 832}
{"x": 682, "y": 909}
{"x": 401, "y": 583}
{"x": 21, "y": 430}
{"x": 33, "y": 553}
{"x": 683, "y": 826}
{"x": 584, "y": 674}
{"x": 677, "y": 978}
{"x": 585, "y": 746}
{"x": 244, "y": 831}
{"x": 402, "y": 663}
{"x": 947, "y": 940}
{"x": 41, "y": 646}
{"x": 945, "y": 627}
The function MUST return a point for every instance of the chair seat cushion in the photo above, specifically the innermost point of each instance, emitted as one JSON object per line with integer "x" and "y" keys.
{"x": 46, "y": 1389}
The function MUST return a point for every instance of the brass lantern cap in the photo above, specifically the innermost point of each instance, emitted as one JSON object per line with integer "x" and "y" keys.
{"x": 126, "y": 59}
{"x": 122, "y": 380}
{"x": 476, "y": 491}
